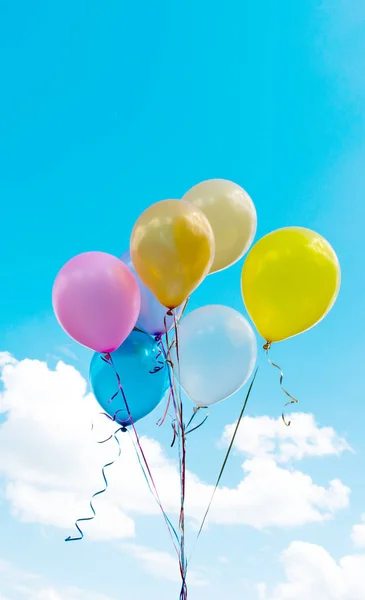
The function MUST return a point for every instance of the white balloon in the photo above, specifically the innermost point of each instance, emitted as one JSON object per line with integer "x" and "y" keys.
{"x": 217, "y": 353}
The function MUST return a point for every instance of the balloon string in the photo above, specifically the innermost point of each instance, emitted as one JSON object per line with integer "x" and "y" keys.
{"x": 163, "y": 418}
{"x": 292, "y": 400}
{"x": 150, "y": 488}
{"x": 172, "y": 395}
{"x": 160, "y": 364}
{"x": 124, "y": 429}
{"x": 167, "y": 361}
{"x": 114, "y": 435}
{"x": 197, "y": 426}
{"x": 195, "y": 412}
{"x": 184, "y": 591}
{"x": 183, "y": 310}
{"x": 224, "y": 461}
{"x": 108, "y": 358}
{"x": 179, "y": 434}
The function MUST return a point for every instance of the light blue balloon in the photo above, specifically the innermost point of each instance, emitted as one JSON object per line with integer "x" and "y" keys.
{"x": 217, "y": 353}
{"x": 153, "y": 316}
{"x": 143, "y": 374}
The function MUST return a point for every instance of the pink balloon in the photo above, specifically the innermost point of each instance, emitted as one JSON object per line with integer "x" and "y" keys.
{"x": 96, "y": 299}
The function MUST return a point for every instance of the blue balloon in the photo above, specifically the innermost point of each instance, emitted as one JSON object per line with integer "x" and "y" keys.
{"x": 143, "y": 373}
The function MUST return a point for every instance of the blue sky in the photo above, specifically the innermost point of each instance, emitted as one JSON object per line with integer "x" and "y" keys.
{"x": 106, "y": 108}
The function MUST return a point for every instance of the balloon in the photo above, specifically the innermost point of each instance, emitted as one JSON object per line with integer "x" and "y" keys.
{"x": 290, "y": 280}
{"x": 232, "y": 215}
{"x": 172, "y": 249}
{"x": 96, "y": 299}
{"x": 135, "y": 362}
{"x": 153, "y": 315}
{"x": 217, "y": 351}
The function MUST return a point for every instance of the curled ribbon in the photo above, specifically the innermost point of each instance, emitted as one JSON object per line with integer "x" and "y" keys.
{"x": 292, "y": 400}
{"x": 114, "y": 435}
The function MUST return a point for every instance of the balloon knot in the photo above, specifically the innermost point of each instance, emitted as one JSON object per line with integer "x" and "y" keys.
{"x": 124, "y": 429}
{"x": 267, "y": 346}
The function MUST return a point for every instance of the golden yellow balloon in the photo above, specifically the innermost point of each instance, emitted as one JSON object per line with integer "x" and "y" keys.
{"x": 232, "y": 215}
{"x": 172, "y": 250}
{"x": 290, "y": 281}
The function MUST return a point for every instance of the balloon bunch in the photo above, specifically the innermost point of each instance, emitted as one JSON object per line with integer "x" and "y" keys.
{"x": 130, "y": 311}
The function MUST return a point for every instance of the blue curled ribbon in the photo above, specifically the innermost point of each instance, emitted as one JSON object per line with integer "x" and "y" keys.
{"x": 114, "y": 435}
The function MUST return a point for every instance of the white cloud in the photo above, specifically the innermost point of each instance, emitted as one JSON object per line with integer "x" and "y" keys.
{"x": 6, "y": 359}
{"x": 358, "y": 533}
{"x": 47, "y": 455}
{"x": 311, "y": 572}
{"x": 265, "y": 436}
{"x": 69, "y": 593}
{"x": 261, "y": 589}
{"x": 52, "y": 465}
{"x": 162, "y": 565}
{"x": 272, "y": 496}
{"x": 60, "y": 508}
{"x": 30, "y": 586}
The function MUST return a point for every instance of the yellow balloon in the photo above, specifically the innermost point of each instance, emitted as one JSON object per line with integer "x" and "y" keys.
{"x": 290, "y": 281}
{"x": 232, "y": 215}
{"x": 172, "y": 249}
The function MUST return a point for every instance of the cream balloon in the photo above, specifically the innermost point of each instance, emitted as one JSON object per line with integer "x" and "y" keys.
{"x": 232, "y": 216}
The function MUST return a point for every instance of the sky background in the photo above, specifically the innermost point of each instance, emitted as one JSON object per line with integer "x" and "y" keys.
{"x": 106, "y": 108}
